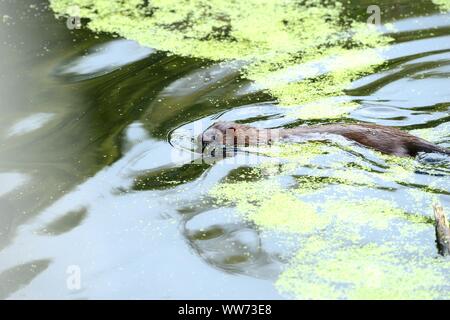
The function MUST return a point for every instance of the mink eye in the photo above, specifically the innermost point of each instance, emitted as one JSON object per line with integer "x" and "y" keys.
{"x": 224, "y": 127}
{"x": 229, "y": 129}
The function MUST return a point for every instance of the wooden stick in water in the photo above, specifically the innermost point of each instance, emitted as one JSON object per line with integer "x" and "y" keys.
{"x": 442, "y": 231}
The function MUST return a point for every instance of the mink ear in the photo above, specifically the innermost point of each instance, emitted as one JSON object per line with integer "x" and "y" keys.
{"x": 224, "y": 126}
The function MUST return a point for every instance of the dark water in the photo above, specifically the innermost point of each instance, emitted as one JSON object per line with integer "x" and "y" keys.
{"x": 96, "y": 172}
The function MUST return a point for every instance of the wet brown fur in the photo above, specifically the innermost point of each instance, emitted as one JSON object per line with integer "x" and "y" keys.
{"x": 387, "y": 140}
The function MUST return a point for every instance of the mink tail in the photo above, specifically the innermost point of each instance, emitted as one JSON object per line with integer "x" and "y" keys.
{"x": 424, "y": 146}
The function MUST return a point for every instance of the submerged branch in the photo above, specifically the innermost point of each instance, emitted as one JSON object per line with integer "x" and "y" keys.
{"x": 442, "y": 231}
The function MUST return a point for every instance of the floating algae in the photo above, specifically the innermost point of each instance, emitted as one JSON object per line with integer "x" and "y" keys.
{"x": 264, "y": 209}
{"x": 352, "y": 245}
{"x": 336, "y": 260}
{"x": 444, "y": 5}
{"x": 325, "y": 109}
{"x": 436, "y": 134}
{"x": 326, "y": 271}
{"x": 326, "y": 48}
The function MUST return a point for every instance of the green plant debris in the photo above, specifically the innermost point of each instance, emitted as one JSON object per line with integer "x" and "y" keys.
{"x": 324, "y": 271}
{"x": 324, "y": 110}
{"x": 339, "y": 257}
{"x": 444, "y": 5}
{"x": 271, "y": 36}
{"x": 435, "y": 134}
{"x": 265, "y": 210}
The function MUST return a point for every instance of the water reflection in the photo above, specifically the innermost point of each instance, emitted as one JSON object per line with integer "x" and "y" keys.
{"x": 30, "y": 124}
{"x": 11, "y": 181}
{"x": 104, "y": 58}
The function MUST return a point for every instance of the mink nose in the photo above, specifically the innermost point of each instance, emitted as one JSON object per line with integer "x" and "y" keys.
{"x": 206, "y": 138}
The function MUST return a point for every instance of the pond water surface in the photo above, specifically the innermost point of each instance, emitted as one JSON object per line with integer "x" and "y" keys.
{"x": 98, "y": 177}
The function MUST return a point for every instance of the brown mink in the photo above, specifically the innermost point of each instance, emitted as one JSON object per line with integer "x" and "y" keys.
{"x": 384, "y": 139}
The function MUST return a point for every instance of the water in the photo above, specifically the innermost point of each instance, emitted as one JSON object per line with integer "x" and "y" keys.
{"x": 97, "y": 173}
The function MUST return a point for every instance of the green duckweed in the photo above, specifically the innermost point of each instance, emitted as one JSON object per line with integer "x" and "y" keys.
{"x": 271, "y": 36}
{"x": 444, "y": 5}
{"x": 324, "y": 271}
{"x": 339, "y": 255}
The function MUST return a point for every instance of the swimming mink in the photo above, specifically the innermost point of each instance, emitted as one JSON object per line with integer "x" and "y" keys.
{"x": 387, "y": 140}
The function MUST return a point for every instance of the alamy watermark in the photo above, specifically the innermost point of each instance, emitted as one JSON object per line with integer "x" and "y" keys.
{"x": 73, "y": 280}
{"x": 74, "y": 18}
{"x": 375, "y": 15}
